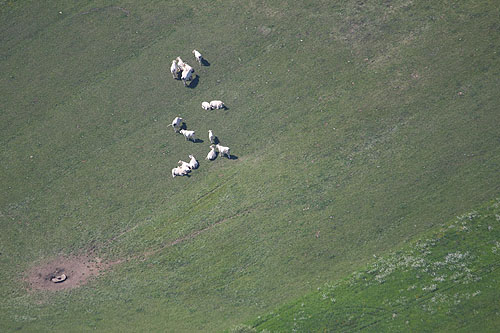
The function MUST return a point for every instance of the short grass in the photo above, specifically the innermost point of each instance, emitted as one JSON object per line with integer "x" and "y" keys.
{"x": 447, "y": 281}
{"x": 363, "y": 123}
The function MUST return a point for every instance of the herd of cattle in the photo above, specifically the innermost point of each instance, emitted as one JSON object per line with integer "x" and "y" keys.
{"x": 179, "y": 126}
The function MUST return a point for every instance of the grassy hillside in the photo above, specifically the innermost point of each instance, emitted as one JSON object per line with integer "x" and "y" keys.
{"x": 356, "y": 126}
{"x": 449, "y": 280}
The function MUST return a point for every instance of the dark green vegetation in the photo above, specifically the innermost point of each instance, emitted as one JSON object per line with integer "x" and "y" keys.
{"x": 363, "y": 123}
{"x": 448, "y": 281}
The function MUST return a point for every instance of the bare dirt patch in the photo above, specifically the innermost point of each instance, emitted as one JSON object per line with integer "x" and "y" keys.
{"x": 77, "y": 269}
{"x": 69, "y": 272}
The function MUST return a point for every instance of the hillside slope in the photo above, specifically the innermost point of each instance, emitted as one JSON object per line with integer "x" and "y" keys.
{"x": 449, "y": 280}
{"x": 355, "y": 127}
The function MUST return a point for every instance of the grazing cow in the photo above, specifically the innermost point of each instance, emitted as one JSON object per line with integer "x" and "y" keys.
{"x": 198, "y": 56}
{"x": 187, "y": 75}
{"x": 211, "y": 136}
{"x": 189, "y": 135}
{"x": 176, "y": 123}
{"x": 212, "y": 154}
{"x": 180, "y": 63}
{"x": 174, "y": 69}
{"x": 193, "y": 163}
{"x": 223, "y": 150}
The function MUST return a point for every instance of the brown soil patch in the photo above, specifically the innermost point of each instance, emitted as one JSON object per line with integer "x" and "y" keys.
{"x": 78, "y": 269}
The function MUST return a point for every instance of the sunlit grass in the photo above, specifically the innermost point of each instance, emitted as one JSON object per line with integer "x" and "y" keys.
{"x": 356, "y": 127}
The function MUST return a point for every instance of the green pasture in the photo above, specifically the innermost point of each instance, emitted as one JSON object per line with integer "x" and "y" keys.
{"x": 356, "y": 127}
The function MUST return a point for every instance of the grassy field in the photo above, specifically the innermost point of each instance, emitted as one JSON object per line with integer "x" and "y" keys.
{"x": 449, "y": 280}
{"x": 356, "y": 128}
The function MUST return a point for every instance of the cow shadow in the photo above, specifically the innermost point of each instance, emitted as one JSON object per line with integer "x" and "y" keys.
{"x": 183, "y": 127}
{"x": 216, "y": 141}
{"x": 204, "y": 62}
{"x": 198, "y": 140}
{"x": 233, "y": 157}
{"x": 194, "y": 82}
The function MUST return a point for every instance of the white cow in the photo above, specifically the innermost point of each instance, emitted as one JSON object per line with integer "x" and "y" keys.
{"x": 174, "y": 69}
{"x": 206, "y": 106}
{"x": 193, "y": 163}
{"x": 178, "y": 172}
{"x": 211, "y": 136}
{"x": 212, "y": 154}
{"x": 217, "y": 104}
{"x": 176, "y": 123}
{"x": 185, "y": 166}
{"x": 223, "y": 150}
{"x": 189, "y": 135}
{"x": 198, "y": 56}
{"x": 188, "y": 68}
{"x": 186, "y": 75}
{"x": 180, "y": 63}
